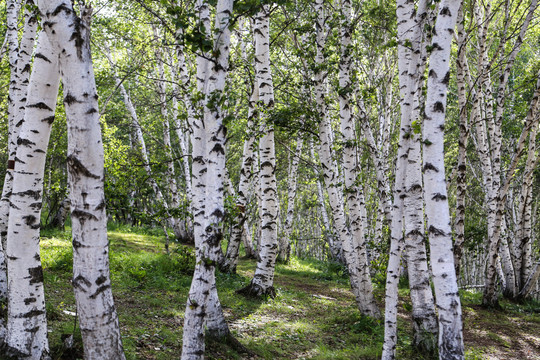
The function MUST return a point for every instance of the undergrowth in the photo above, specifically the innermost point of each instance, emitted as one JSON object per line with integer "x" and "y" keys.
{"x": 313, "y": 315}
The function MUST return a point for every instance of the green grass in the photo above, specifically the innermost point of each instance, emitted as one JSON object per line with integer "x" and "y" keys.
{"x": 313, "y": 316}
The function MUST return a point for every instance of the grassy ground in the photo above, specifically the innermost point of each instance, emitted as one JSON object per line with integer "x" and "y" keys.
{"x": 312, "y": 317}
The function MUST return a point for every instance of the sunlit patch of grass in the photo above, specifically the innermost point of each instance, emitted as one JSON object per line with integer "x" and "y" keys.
{"x": 313, "y": 316}
{"x": 474, "y": 354}
{"x": 470, "y": 297}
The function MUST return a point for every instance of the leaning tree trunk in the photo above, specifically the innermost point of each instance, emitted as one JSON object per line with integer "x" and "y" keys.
{"x": 436, "y": 197}
{"x": 498, "y": 194}
{"x": 263, "y": 280}
{"x": 85, "y": 160}
{"x": 27, "y": 325}
{"x": 140, "y": 140}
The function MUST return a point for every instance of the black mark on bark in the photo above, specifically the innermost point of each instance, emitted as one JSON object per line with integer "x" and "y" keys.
{"x": 99, "y": 291}
{"x": 40, "y": 105}
{"x": 41, "y": 56}
{"x": 100, "y": 280}
{"x": 36, "y": 275}
{"x": 77, "y": 167}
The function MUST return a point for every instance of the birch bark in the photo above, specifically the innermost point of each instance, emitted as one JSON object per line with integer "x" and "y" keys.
{"x": 183, "y": 129}
{"x": 331, "y": 176}
{"x": 436, "y": 198}
{"x": 209, "y": 135}
{"x": 27, "y": 324}
{"x": 328, "y": 232}
{"x": 263, "y": 280}
{"x": 70, "y": 37}
{"x": 172, "y": 188}
{"x": 246, "y": 173}
{"x": 526, "y": 199}
{"x": 285, "y": 241}
{"x": 410, "y": 67}
{"x": 461, "y": 180}
{"x": 139, "y": 137}
{"x": 359, "y": 252}
{"x": 498, "y": 193}
{"x": 20, "y": 54}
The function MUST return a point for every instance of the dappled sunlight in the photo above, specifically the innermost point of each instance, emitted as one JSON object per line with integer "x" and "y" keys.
{"x": 135, "y": 242}
{"x": 313, "y": 316}
{"x": 54, "y": 242}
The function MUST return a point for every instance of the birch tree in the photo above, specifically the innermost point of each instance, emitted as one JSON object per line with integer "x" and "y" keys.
{"x": 359, "y": 283}
{"x": 357, "y": 237}
{"x": 436, "y": 198}
{"x": 408, "y": 203}
{"x": 172, "y": 188}
{"x": 19, "y": 56}
{"x": 246, "y": 173}
{"x": 209, "y": 134}
{"x": 91, "y": 280}
{"x": 27, "y": 324}
{"x": 263, "y": 280}
{"x": 285, "y": 240}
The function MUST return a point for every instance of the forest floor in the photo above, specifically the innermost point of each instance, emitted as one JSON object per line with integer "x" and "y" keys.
{"x": 312, "y": 317}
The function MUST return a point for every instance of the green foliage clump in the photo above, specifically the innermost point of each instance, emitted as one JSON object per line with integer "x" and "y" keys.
{"x": 154, "y": 270}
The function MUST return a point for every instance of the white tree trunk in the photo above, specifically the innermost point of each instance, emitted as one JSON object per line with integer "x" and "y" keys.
{"x": 209, "y": 135}
{"x": 461, "y": 178}
{"x": 358, "y": 259}
{"x": 436, "y": 197}
{"x": 19, "y": 60}
{"x": 327, "y": 231}
{"x": 497, "y": 193}
{"x": 525, "y": 238}
{"x": 331, "y": 176}
{"x": 139, "y": 136}
{"x": 27, "y": 325}
{"x": 12, "y": 42}
{"x": 91, "y": 280}
{"x": 409, "y": 30}
{"x": 172, "y": 188}
{"x": 285, "y": 240}
{"x": 184, "y": 128}
{"x": 246, "y": 173}
{"x": 263, "y": 280}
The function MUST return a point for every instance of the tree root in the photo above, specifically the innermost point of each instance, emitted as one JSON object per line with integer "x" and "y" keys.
{"x": 254, "y": 290}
